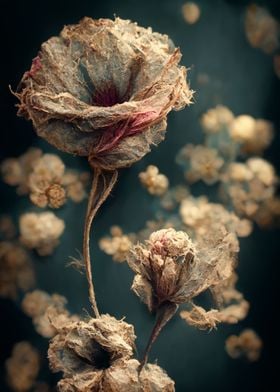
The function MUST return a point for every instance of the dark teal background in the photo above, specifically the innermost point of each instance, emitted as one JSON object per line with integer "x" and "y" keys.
{"x": 240, "y": 77}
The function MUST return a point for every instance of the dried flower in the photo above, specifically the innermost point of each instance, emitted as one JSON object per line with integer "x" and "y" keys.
{"x": 261, "y": 29}
{"x": 155, "y": 182}
{"x": 22, "y": 367}
{"x": 247, "y": 344}
{"x": 201, "y": 163}
{"x": 40, "y": 231}
{"x": 191, "y": 12}
{"x": 96, "y": 356}
{"x": 41, "y": 307}
{"x": 170, "y": 268}
{"x": 242, "y": 129}
{"x": 118, "y": 245}
{"x": 200, "y": 318}
{"x": 216, "y": 119}
{"x": 16, "y": 272}
{"x": 15, "y": 171}
{"x": 103, "y": 89}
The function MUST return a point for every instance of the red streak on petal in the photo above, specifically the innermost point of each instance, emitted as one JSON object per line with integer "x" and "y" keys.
{"x": 35, "y": 67}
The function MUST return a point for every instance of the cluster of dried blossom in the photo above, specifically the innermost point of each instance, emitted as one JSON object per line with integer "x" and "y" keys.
{"x": 155, "y": 182}
{"x": 249, "y": 187}
{"x": 247, "y": 344}
{"x": 117, "y": 245}
{"x": 41, "y": 307}
{"x": 44, "y": 178}
{"x": 41, "y": 231}
{"x": 97, "y": 355}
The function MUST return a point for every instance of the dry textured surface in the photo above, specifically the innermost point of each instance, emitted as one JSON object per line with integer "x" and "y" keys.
{"x": 103, "y": 89}
{"x": 41, "y": 231}
{"x": 247, "y": 344}
{"x": 22, "y": 367}
{"x": 16, "y": 271}
{"x": 155, "y": 182}
{"x": 171, "y": 268}
{"x": 96, "y": 355}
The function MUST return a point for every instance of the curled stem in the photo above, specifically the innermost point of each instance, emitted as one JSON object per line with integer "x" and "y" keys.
{"x": 164, "y": 313}
{"x": 103, "y": 183}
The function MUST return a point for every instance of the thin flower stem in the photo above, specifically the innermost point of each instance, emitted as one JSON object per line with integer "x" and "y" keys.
{"x": 164, "y": 313}
{"x": 103, "y": 183}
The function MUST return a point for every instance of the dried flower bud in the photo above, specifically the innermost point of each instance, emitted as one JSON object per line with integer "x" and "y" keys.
{"x": 22, "y": 367}
{"x": 247, "y": 344}
{"x": 155, "y": 182}
{"x": 103, "y": 89}
{"x": 261, "y": 29}
{"x": 216, "y": 119}
{"x": 201, "y": 163}
{"x": 170, "y": 268}
{"x": 118, "y": 245}
{"x": 242, "y": 129}
{"x": 16, "y": 270}
{"x": 191, "y": 12}
{"x": 40, "y": 231}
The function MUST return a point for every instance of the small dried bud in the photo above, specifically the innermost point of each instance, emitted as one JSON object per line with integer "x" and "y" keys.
{"x": 261, "y": 29}
{"x": 201, "y": 163}
{"x": 16, "y": 270}
{"x": 40, "y": 231}
{"x": 247, "y": 344}
{"x": 200, "y": 318}
{"x": 7, "y": 228}
{"x": 56, "y": 196}
{"x": 22, "y": 367}
{"x": 118, "y": 245}
{"x": 103, "y": 89}
{"x": 242, "y": 129}
{"x": 191, "y": 12}
{"x": 216, "y": 119}
{"x": 155, "y": 182}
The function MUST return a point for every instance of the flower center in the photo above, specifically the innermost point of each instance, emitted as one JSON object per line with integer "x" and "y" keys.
{"x": 106, "y": 97}
{"x": 100, "y": 358}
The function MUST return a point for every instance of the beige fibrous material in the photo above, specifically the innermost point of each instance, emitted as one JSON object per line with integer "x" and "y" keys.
{"x": 171, "y": 268}
{"x": 22, "y": 367}
{"x": 155, "y": 182}
{"x": 191, "y": 12}
{"x": 16, "y": 270}
{"x": 41, "y": 231}
{"x": 96, "y": 355}
{"x": 42, "y": 307}
{"x": 247, "y": 344}
{"x": 118, "y": 245}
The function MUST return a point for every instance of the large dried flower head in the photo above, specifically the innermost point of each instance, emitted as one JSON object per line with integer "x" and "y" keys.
{"x": 201, "y": 163}
{"x": 261, "y": 29}
{"x": 103, "y": 89}
{"x": 40, "y": 231}
{"x": 16, "y": 272}
{"x": 171, "y": 269}
{"x": 155, "y": 182}
{"x": 216, "y": 119}
{"x": 22, "y": 367}
{"x": 247, "y": 344}
{"x": 118, "y": 245}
